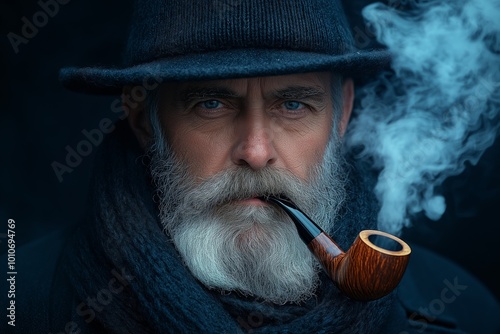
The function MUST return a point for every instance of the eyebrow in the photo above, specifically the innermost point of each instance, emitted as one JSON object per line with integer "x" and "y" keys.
{"x": 193, "y": 93}
{"x": 300, "y": 93}
{"x": 288, "y": 93}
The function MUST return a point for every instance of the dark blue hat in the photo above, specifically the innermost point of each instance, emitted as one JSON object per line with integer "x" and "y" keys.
{"x": 176, "y": 40}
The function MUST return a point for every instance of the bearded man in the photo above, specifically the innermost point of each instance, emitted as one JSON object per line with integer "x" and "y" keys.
{"x": 225, "y": 107}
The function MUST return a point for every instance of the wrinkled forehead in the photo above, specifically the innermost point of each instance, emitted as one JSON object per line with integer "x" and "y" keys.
{"x": 307, "y": 83}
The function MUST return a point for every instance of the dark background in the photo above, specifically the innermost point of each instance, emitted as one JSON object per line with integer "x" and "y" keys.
{"x": 40, "y": 119}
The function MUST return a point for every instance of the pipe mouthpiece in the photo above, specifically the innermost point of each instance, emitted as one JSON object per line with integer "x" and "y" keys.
{"x": 369, "y": 270}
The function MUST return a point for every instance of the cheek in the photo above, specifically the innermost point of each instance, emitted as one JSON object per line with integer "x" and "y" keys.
{"x": 301, "y": 153}
{"x": 304, "y": 155}
{"x": 205, "y": 156}
{"x": 203, "y": 153}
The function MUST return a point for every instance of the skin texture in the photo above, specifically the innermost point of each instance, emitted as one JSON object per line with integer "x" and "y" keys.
{"x": 245, "y": 136}
{"x": 280, "y": 121}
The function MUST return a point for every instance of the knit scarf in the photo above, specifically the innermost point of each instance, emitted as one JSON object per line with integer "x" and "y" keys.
{"x": 126, "y": 277}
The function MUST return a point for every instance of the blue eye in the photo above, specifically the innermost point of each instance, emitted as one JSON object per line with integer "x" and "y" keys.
{"x": 211, "y": 104}
{"x": 293, "y": 105}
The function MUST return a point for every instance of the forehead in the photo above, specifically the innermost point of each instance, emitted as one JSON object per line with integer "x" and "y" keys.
{"x": 319, "y": 80}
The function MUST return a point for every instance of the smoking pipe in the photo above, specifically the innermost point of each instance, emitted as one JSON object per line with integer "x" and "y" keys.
{"x": 369, "y": 270}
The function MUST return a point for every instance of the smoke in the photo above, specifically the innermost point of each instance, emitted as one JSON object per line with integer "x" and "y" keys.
{"x": 436, "y": 110}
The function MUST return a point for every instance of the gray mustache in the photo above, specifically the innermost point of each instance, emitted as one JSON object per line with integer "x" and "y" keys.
{"x": 242, "y": 183}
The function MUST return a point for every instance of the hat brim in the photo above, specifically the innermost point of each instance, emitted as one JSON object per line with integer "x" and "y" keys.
{"x": 223, "y": 64}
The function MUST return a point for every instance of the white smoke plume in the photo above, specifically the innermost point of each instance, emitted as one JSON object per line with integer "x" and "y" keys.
{"x": 438, "y": 108}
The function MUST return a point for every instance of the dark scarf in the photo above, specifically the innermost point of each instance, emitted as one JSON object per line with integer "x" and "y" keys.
{"x": 127, "y": 278}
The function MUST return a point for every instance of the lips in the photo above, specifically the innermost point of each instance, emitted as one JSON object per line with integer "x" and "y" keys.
{"x": 252, "y": 201}
{"x": 257, "y": 200}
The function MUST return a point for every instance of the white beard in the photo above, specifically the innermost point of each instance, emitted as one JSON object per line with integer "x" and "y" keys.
{"x": 254, "y": 250}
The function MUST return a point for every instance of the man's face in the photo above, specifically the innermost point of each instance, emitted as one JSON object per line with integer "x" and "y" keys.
{"x": 280, "y": 121}
{"x": 220, "y": 144}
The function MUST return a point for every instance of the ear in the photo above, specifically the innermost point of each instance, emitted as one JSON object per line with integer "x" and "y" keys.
{"x": 347, "y": 104}
{"x": 138, "y": 118}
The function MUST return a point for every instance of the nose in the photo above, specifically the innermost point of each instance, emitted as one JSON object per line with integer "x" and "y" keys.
{"x": 254, "y": 146}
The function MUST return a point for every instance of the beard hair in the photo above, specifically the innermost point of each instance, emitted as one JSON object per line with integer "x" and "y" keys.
{"x": 254, "y": 250}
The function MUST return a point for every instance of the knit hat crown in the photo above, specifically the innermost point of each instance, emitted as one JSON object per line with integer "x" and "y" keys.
{"x": 215, "y": 39}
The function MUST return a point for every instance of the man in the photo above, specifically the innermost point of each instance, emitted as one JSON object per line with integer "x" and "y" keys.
{"x": 224, "y": 108}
